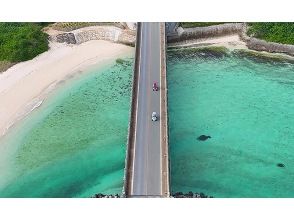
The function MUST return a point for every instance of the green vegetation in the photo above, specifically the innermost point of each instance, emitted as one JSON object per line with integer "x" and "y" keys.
{"x": 202, "y": 51}
{"x": 217, "y": 49}
{"x": 201, "y": 48}
{"x": 198, "y": 24}
{"x": 120, "y": 61}
{"x": 21, "y": 41}
{"x": 263, "y": 57}
{"x": 273, "y": 31}
{"x": 123, "y": 62}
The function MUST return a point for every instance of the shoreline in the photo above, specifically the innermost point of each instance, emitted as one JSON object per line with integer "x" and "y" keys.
{"x": 18, "y": 98}
{"x": 25, "y": 86}
{"x": 231, "y": 42}
{"x": 188, "y": 37}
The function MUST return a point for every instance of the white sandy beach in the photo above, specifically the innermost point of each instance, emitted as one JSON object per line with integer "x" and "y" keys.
{"x": 229, "y": 41}
{"x": 24, "y": 86}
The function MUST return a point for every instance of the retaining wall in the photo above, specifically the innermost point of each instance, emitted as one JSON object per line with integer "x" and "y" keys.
{"x": 109, "y": 33}
{"x": 231, "y": 28}
{"x": 204, "y": 32}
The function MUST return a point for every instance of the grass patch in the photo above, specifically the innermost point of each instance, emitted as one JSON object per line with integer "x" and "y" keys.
{"x": 22, "y": 41}
{"x": 198, "y": 24}
{"x": 279, "y": 32}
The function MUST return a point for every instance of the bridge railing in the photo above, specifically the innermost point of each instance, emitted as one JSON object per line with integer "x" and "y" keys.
{"x": 164, "y": 116}
{"x": 128, "y": 171}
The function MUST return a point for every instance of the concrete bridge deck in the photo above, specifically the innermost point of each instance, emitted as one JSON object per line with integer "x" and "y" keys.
{"x": 147, "y": 170}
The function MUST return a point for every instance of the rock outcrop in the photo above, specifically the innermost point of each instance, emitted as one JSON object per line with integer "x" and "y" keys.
{"x": 190, "y": 195}
{"x": 101, "y": 195}
{"x": 68, "y": 38}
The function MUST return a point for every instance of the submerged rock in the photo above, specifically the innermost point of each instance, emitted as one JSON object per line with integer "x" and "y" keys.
{"x": 101, "y": 195}
{"x": 203, "y": 137}
{"x": 281, "y": 165}
{"x": 190, "y": 195}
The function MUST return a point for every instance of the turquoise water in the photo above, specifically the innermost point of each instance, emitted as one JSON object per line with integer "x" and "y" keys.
{"x": 74, "y": 145}
{"x": 245, "y": 103}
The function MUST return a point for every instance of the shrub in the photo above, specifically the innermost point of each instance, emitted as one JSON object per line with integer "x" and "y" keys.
{"x": 279, "y": 32}
{"x": 22, "y": 41}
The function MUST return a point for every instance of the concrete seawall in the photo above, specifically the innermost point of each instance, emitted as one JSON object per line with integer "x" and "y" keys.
{"x": 132, "y": 120}
{"x": 185, "y": 34}
{"x": 109, "y": 33}
{"x": 204, "y": 32}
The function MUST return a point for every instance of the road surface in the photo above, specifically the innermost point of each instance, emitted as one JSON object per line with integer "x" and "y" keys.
{"x": 147, "y": 173}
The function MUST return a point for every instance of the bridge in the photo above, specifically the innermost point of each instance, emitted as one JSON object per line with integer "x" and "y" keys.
{"x": 147, "y": 158}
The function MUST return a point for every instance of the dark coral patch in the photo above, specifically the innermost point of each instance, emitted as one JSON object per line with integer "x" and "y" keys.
{"x": 203, "y": 137}
{"x": 280, "y": 165}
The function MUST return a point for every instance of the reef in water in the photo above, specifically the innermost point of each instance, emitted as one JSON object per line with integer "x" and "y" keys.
{"x": 190, "y": 195}
{"x": 203, "y": 137}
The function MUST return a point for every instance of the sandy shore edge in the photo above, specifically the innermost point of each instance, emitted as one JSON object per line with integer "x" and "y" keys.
{"x": 231, "y": 42}
{"x": 26, "y": 85}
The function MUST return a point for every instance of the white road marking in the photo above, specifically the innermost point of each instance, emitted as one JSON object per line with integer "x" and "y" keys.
{"x": 142, "y": 172}
{"x": 138, "y": 87}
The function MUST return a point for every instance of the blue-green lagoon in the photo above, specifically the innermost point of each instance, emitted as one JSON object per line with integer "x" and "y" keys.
{"x": 74, "y": 144}
{"x": 245, "y": 102}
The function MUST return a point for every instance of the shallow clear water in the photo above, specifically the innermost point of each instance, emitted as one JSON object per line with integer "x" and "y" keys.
{"x": 74, "y": 145}
{"x": 245, "y": 103}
